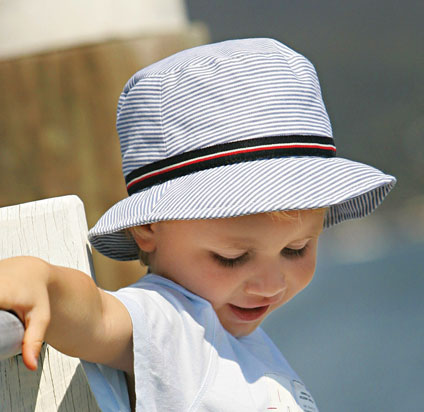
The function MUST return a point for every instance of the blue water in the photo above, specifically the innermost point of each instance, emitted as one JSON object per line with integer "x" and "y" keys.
{"x": 356, "y": 334}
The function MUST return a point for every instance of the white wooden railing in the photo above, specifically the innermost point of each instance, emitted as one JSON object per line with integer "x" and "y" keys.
{"x": 54, "y": 230}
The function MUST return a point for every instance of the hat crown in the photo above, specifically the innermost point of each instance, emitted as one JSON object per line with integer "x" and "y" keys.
{"x": 219, "y": 93}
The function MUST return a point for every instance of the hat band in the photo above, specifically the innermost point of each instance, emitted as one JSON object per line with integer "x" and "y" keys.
{"x": 226, "y": 154}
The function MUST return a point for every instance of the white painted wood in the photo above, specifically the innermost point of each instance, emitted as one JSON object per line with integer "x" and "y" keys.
{"x": 34, "y": 26}
{"x": 55, "y": 230}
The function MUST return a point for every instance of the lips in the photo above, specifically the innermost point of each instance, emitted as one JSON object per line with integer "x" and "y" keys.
{"x": 248, "y": 314}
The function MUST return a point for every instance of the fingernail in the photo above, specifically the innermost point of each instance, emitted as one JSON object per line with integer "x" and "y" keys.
{"x": 35, "y": 362}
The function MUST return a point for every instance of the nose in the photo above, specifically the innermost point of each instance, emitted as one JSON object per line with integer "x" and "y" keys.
{"x": 267, "y": 283}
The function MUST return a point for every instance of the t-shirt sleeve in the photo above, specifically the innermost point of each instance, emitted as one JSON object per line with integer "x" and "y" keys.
{"x": 173, "y": 351}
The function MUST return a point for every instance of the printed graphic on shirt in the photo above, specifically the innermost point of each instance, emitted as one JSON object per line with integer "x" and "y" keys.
{"x": 280, "y": 397}
{"x": 303, "y": 397}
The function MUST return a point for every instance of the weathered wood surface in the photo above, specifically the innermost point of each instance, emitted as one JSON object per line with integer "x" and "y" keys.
{"x": 55, "y": 230}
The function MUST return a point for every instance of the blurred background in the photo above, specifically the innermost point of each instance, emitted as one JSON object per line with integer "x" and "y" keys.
{"x": 356, "y": 334}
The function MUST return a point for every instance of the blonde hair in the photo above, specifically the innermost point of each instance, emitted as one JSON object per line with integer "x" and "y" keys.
{"x": 294, "y": 214}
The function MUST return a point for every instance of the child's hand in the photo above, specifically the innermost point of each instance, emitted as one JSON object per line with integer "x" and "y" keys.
{"x": 64, "y": 307}
{"x": 24, "y": 290}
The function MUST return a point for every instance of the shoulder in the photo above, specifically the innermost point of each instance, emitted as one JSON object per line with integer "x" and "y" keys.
{"x": 159, "y": 291}
{"x": 156, "y": 301}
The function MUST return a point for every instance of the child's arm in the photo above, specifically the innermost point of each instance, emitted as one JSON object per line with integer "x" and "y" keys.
{"x": 65, "y": 308}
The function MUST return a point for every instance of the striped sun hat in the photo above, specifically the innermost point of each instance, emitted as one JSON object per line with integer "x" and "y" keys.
{"x": 229, "y": 129}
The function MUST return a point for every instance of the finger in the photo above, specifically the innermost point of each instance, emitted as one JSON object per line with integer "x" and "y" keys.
{"x": 36, "y": 322}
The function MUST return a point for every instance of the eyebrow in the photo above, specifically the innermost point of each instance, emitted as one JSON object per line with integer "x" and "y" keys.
{"x": 235, "y": 242}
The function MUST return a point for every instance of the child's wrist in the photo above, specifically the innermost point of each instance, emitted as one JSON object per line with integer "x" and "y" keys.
{"x": 34, "y": 266}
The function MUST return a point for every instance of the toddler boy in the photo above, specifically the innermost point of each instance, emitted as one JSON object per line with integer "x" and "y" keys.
{"x": 231, "y": 172}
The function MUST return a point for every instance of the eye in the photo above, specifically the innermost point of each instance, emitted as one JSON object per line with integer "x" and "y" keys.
{"x": 294, "y": 253}
{"x": 229, "y": 262}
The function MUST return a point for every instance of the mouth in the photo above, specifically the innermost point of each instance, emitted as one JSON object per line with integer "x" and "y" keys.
{"x": 248, "y": 314}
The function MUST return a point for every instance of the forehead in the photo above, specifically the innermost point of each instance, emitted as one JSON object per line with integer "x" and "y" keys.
{"x": 241, "y": 229}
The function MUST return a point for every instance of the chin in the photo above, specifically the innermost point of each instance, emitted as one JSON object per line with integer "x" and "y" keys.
{"x": 238, "y": 331}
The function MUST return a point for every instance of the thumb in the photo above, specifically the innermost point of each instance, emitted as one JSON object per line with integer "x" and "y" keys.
{"x": 36, "y": 323}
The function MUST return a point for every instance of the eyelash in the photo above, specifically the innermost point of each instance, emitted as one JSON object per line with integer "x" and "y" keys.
{"x": 286, "y": 252}
{"x": 294, "y": 253}
{"x": 227, "y": 262}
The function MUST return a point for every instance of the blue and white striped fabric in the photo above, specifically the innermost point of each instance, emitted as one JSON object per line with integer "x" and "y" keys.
{"x": 218, "y": 94}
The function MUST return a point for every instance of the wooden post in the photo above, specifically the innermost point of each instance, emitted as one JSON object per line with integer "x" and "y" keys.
{"x": 55, "y": 230}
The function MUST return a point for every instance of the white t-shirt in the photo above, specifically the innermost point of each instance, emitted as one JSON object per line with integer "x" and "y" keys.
{"x": 184, "y": 360}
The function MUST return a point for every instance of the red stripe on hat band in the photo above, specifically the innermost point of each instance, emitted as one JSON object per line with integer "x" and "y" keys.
{"x": 137, "y": 178}
{"x": 231, "y": 153}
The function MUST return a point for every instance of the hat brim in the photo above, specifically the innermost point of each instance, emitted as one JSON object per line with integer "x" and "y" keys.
{"x": 349, "y": 189}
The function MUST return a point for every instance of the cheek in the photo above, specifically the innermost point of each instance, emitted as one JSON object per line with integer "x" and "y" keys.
{"x": 302, "y": 273}
{"x": 210, "y": 282}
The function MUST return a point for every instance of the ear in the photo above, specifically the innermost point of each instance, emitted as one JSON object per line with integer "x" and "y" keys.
{"x": 144, "y": 237}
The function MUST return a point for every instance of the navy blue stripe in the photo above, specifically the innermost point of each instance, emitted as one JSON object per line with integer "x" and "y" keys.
{"x": 265, "y": 153}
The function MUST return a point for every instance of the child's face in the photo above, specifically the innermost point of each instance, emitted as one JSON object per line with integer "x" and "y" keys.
{"x": 246, "y": 267}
